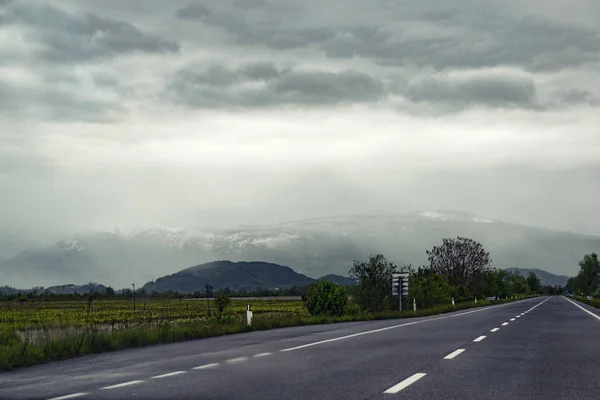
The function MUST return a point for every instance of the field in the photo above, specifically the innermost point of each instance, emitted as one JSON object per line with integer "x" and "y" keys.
{"x": 34, "y": 318}
{"x": 37, "y": 331}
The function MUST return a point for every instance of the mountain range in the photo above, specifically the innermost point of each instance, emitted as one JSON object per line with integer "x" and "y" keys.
{"x": 314, "y": 247}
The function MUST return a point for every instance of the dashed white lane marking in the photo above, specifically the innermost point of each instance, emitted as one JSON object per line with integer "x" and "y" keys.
{"x": 120, "y": 385}
{"x": 495, "y": 330}
{"x": 518, "y": 316}
{"x": 262, "y": 354}
{"x": 69, "y": 396}
{"x": 405, "y": 383}
{"x": 206, "y": 366}
{"x": 504, "y": 323}
{"x": 587, "y": 311}
{"x": 169, "y": 374}
{"x": 512, "y": 319}
{"x": 453, "y": 354}
{"x": 236, "y": 360}
{"x": 479, "y": 339}
{"x": 391, "y": 327}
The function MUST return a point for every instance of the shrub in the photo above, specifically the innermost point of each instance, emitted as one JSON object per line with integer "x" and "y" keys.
{"x": 326, "y": 298}
{"x": 222, "y": 301}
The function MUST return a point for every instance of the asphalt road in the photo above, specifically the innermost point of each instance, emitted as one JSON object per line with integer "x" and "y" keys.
{"x": 539, "y": 348}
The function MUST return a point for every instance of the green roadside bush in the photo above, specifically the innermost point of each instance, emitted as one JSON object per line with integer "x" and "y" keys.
{"x": 326, "y": 299}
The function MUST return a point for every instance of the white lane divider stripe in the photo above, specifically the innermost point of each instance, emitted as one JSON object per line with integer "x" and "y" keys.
{"x": 453, "y": 354}
{"x": 504, "y": 323}
{"x": 393, "y": 327}
{"x": 236, "y": 360}
{"x": 120, "y": 385}
{"x": 587, "y": 311}
{"x": 169, "y": 374}
{"x": 69, "y": 396}
{"x": 405, "y": 383}
{"x": 495, "y": 330}
{"x": 512, "y": 319}
{"x": 479, "y": 339}
{"x": 206, "y": 366}
{"x": 262, "y": 354}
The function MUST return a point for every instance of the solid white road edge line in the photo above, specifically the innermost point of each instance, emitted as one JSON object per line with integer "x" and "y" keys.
{"x": 69, "y": 396}
{"x": 392, "y": 327}
{"x": 453, "y": 354}
{"x": 479, "y": 339}
{"x": 262, "y": 355}
{"x": 495, "y": 330}
{"x": 587, "y": 311}
{"x": 408, "y": 381}
{"x": 169, "y": 374}
{"x": 120, "y": 385}
{"x": 206, "y": 366}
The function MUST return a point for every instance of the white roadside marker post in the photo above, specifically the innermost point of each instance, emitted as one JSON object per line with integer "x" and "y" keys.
{"x": 248, "y": 315}
{"x": 453, "y": 302}
{"x": 414, "y": 305}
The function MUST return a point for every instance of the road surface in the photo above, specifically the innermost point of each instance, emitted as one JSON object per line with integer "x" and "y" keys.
{"x": 538, "y": 348}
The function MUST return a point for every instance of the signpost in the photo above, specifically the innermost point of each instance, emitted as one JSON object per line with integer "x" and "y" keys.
{"x": 400, "y": 286}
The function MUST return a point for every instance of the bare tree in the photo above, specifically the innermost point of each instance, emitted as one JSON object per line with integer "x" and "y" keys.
{"x": 463, "y": 261}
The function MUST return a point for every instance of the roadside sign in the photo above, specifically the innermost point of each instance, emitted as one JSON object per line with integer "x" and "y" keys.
{"x": 400, "y": 284}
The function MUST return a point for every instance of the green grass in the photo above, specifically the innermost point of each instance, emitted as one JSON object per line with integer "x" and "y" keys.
{"x": 594, "y": 302}
{"x": 16, "y": 352}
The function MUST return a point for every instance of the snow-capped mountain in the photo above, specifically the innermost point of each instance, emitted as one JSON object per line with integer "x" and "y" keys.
{"x": 314, "y": 247}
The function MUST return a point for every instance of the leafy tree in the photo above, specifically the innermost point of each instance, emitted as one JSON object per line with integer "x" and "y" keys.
{"x": 373, "y": 289}
{"x": 222, "y": 301}
{"x": 587, "y": 280}
{"x": 428, "y": 288}
{"x": 326, "y": 298}
{"x": 463, "y": 261}
{"x": 534, "y": 282}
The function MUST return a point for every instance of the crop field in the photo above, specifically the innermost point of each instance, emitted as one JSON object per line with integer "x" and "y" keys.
{"x": 34, "y": 316}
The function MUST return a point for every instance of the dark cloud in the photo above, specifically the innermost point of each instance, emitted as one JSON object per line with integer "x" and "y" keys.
{"x": 533, "y": 44}
{"x": 578, "y": 96}
{"x": 265, "y": 29}
{"x": 69, "y": 38}
{"x": 466, "y": 36}
{"x": 220, "y": 86}
{"x": 193, "y": 11}
{"x": 496, "y": 90}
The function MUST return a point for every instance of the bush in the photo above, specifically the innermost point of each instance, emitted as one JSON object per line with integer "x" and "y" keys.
{"x": 326, "y": 298}
{"x": 222, "y": 301}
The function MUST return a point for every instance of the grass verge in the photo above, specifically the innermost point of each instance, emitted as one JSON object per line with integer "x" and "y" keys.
{"x": 593, "y": 302}
{"x": 16, "y": 353}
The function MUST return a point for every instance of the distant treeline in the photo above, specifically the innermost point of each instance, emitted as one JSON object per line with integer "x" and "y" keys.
{"x": 10, "y": 294}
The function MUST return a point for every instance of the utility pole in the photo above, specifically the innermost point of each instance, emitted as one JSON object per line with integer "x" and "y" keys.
{"x": 133, "y": 284}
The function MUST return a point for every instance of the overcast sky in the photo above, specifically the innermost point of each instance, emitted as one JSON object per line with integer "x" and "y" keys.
{"x": 221, "y": 113}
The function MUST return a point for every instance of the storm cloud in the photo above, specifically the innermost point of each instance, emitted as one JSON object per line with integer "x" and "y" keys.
{"x": 265, "y": 85}
{"x": 235, "y": 112}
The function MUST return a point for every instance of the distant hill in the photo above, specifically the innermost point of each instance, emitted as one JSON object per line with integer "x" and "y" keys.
{"x": 338, "y": 280}
{"x": 234, "y": 275}
{"x": 71, "y": 289}
{"x": 546, "y": 277}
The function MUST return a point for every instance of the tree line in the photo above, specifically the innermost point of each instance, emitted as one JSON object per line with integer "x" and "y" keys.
{"x": 459, "y": 268}
{"x": 587, "y": 281}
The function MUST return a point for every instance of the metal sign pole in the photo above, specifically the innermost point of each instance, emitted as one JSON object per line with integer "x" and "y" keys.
{"x": 400, "y": 292}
